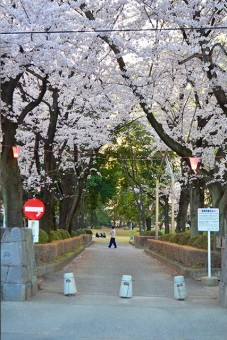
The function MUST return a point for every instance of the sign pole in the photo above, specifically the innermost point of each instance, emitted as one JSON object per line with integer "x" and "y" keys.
{"x": 209, "y": 255}
{"x": 34, "y": 226}
{"x": 208, "y": 220}
{"x": 157, "y": 209}
{"x": 34, "y": 209}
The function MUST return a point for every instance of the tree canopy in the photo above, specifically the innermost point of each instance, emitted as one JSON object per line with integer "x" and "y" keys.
{"x": 73, "y": 71}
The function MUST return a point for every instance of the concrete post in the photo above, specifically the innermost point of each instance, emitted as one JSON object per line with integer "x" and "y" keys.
{"x": 126, "y": 286}
{"x": 18, "y": 267}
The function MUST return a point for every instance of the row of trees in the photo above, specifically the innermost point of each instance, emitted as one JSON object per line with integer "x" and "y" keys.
{"x": 73, "y": 72}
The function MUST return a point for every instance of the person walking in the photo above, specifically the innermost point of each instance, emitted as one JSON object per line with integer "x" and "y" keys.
{"x": 112, "y": 238}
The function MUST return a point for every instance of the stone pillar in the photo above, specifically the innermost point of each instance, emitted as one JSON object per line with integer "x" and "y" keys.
{"x": 18, "y": 267}
{"x": 223, "y": 278}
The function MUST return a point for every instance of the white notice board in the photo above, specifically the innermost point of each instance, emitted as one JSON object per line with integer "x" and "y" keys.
{"x": 208, "y": 219}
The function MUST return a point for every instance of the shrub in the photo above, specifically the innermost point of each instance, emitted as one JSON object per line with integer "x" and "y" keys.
{"x": 54, "y": 235}
{"x": 192, "y": 241}
{"x": 165, "y": 237}
{"x": 173, "y": 239}
{"x": 88, "y": 231}
{"x": 150, "y": 233}
{"x": 64, "y": 234}
{"x": 80, "y": 232}
{"x": 180, "y": 238}
{"x": 184, "y": 239}
{"x": 202, "y": 242}
{"x": 199, "y": 241}
{"x": 43, "y": 236}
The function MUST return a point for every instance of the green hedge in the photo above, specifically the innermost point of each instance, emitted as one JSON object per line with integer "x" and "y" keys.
{"x": 165, "y": 237}
{"x": 150, "y": 233}
{"x": 199, "y": 241}
{"x": 88, "y": 231}
{"x": 55, "y": 235}
{"x": 184, "y": 238}
{"x": 43, "y": 236}
{"x": 79, "y": 232}
{"x": 64, "y": 234}
{"x": 60, "y": 234}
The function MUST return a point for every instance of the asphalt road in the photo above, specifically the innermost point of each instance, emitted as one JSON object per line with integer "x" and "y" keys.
{"x": 97, "y": 311}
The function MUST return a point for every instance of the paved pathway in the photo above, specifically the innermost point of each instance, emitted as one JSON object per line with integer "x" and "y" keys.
{"x": 97, "y": 311}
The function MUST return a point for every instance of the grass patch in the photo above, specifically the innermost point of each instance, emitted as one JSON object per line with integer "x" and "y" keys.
{"x": 64, "y": 256}
{"x": 196, "y": 266}
{"x": 122, "y": 236}
{"x": 69, "y": 254}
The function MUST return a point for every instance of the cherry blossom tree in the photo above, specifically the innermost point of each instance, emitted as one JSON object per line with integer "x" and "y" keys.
{"x": 165, "y": 57}
{"x": 53, "y": 106}
{"x": 178, "y": 79}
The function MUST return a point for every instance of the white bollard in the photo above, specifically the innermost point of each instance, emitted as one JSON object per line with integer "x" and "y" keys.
{"x": 69, "y": 284}
{"x": 126, "y": 286}
{"x": 179, "y": 288}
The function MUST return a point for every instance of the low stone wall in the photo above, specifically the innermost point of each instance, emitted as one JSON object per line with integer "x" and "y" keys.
{"x": 141, "y": 241}
{"x": 223, "y": 278}
{"x": 186, "y": 255}
{"x": 49, "y": 252}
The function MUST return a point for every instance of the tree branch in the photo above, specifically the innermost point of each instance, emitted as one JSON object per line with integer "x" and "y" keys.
{"x": 195, "y": 55}
{"x": 34, "y": 103}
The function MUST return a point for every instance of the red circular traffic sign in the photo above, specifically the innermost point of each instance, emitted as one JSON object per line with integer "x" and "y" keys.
{"x": 34, "y": 209}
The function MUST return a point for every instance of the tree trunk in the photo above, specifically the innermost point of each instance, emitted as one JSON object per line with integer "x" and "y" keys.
{"x": 11, "y": 189}
{"x": 79, "y": 221}
{"x": 183, "y": 209}
{"x": 10, "y": 179}
{"x": 139, "y": 216}
{"x": 219, "y": 200}
{"x": 74, "y": 206}
{"x": 47, "y": 222}
{"x": 66, "y": 186}
{"x": 148, "y": 223}
{"x": 64, "y": 208}
{"x": 196, "y": 201}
